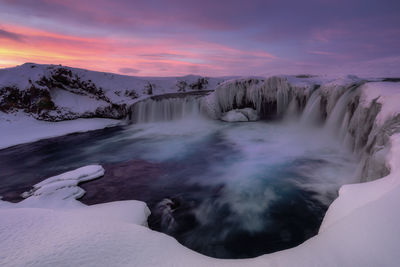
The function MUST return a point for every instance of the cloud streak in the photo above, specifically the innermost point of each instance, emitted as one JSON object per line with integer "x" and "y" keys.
{"x": 210, "y": 37}
{"x": 10, "y": 36}
{"x": 127, "y": 70}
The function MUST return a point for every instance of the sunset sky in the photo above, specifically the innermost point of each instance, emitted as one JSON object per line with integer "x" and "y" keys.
{"x": 214, "y": 38}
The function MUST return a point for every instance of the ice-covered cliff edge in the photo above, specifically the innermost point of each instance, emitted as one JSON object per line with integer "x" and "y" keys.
{"x": 360, "y": 113}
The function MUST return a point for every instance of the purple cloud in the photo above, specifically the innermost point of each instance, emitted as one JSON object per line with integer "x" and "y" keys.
{"x": 10, "y": 35}
{"x": 128, "y": 70}
{"x": 310, "y": 34}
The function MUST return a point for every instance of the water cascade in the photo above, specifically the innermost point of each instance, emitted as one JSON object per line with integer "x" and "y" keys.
{"x": 167, "y": 109}
{"x": 336, "y": 106}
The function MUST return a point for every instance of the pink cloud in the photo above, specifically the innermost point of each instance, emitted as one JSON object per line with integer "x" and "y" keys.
{"x": 151, "y": 56}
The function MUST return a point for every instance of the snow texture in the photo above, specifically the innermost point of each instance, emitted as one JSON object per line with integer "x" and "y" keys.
{"x": 18, "y": 128}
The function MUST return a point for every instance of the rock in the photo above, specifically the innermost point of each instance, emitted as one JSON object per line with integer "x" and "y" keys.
{"x": 250, "y": 113}
{"x": 237, "y": 115}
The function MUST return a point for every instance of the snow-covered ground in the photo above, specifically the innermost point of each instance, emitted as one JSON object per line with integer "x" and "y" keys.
{"x": 51, "y": 228}
{"x": 18, "y": 128}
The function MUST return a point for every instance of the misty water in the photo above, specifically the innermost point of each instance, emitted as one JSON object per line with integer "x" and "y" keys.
{"x": 227, "y": 190}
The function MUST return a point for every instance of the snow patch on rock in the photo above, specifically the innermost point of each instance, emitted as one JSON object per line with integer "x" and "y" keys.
{"x": 61, "y": 190}
{"x": 237, "y": 115}
{"x": 385, "y": 93}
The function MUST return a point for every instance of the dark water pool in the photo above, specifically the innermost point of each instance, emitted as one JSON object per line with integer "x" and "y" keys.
{"x": 225, "y": 190}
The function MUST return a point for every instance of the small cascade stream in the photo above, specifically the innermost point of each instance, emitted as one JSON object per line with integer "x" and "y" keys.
{"x": 168, "y": 109}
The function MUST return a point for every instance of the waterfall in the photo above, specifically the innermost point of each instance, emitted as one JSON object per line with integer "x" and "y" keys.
{"x": 335, "y": 119}
{"x": 166, "y": 109}
{"x": 270, "y": 98}
{"x": 312, "y": 111}
{"x": 336, "y": 105}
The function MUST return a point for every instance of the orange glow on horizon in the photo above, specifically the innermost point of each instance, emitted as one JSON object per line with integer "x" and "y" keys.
{"x": 150, "y": 57}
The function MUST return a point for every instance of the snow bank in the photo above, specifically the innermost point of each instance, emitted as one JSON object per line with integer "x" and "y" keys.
{"x": 18, "y": 128}
{"x": 387, "y": 93}
{"x": 59, "y": 190}
{"x": 73, "y": 103}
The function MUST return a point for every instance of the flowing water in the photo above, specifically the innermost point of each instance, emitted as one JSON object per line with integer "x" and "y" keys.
{"x": 227, "y": 190}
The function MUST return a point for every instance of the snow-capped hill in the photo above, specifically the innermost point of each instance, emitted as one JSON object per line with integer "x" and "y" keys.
{"x": 55, "y": 92}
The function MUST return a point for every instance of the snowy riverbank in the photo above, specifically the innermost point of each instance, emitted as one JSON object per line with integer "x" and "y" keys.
{"x": 19, "y": 128}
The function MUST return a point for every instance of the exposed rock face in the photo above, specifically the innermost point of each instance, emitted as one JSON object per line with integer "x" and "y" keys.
{"x": 39, "y": 98}
{"x": 34, "y": 100}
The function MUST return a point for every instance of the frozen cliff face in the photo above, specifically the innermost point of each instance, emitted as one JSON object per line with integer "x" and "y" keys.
{"x": 269, "y": 97}
{"x": 349, "y": 108}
